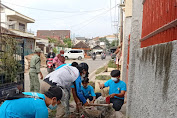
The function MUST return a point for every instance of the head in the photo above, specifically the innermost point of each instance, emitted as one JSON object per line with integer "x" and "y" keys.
{"x": 115, "y": 75}
{"x": 62, "y": 53}
{"x": 74, "y": 64}
{"x": 85, "y": 82}
{"x": 53, "y": 97}
{"x": 51, "y": 50}
{"x": 38, "y": 51}
{"x": 83, "y": 69}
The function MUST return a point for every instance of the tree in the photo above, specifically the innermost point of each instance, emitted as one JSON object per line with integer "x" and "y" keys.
{"x": 106, "y": 41}
{"x": 68, "y": 42}
{"x": 113, "y": 43}
{"x": 52, "y": 40}
{"x": 56, "y": 42}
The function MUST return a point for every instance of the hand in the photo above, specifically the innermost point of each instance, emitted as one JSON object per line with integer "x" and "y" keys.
{"x": 101, "y": 86}
{"x": 86, "y": 104}
{"x": 92, "y": 102}
{"x": 79, "y": 106}
{"x": 112, "y": 95}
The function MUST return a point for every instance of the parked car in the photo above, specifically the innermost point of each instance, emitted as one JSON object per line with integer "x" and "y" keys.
{"x": 74, "y": 54}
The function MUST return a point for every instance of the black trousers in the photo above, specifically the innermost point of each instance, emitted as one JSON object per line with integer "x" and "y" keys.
{"x": 91, "y": 97}
{"x": 117, "y": 103}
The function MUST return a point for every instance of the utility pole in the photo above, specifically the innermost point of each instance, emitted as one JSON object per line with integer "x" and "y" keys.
{"x": 121, "y": 23}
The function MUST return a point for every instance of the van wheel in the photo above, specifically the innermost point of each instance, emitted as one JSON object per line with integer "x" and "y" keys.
{"x": 79, "y": 58}
{"x": 66, "y": 57}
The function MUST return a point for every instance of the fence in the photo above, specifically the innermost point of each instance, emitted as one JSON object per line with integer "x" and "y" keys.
{"x": 159, "y": 22}
{"x": 11, "y": 65}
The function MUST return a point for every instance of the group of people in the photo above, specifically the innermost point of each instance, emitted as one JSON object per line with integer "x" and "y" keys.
{"x": 55, "y": 89}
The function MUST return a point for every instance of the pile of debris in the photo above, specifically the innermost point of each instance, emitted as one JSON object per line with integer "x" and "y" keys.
{"x": 28, "y": 58}
{"x": 98, "y": 110}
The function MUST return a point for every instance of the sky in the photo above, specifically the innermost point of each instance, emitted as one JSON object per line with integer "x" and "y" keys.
{"x": 86, "y": 18}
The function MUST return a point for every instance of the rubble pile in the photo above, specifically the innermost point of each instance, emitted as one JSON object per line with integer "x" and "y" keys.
{"x": 28, "y": 58}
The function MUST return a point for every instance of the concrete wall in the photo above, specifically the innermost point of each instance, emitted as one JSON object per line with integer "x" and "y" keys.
{"x": 128, "y": 8}
{"x": 136, "y": 29}
{"x": 154, "y": 91}
{"x": 127, "y": 30}
{"x": 152, "y": 79}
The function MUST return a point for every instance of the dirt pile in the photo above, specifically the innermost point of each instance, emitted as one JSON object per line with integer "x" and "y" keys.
{"x": 28, "y": 59}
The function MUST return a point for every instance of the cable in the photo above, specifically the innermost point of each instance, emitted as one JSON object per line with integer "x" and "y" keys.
{"x": 53, "y": 10}
{"x": 96, "y": 18}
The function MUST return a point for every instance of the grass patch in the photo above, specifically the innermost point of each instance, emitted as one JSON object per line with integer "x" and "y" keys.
{"x": 112, "y": 64}
{"x": 102, "y": 69}
{"x": 103, "y": 77}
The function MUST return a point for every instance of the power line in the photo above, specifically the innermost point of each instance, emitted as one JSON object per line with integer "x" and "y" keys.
{"x": 53, "y": 10}
{"x": 98, "y": 16}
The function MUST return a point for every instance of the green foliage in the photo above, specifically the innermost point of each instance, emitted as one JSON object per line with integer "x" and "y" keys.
{"x": 113, "y": 43}
{"x": 103, "y": 77}
{"x": 102, "y": 69}
{"x": 112, "y": 64}
{"x": 52, "y": 40}
{"x": 106, "y": 41}
{"x": 55, "y": 50}
{"x": 55, "y": 41}
{"x": 68, "y": 42}
{"x": 92, "y": 84}
{"x": 9, "y": 63}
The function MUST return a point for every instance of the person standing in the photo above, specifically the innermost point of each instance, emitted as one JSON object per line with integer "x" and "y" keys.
{"x": 35, "y": 64}
{"x": 59, "y": 59}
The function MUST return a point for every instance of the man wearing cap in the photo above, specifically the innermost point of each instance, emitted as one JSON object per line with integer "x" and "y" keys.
{"x": 31, "y": 104}
{"x": 35, "y": 70}
{"x": 117, "y": 89}
{"x": 59, "y": 59}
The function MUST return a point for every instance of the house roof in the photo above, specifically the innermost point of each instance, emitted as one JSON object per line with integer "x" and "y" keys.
{"x": 5, "y": 31}
{"x": 18, "y": 15}
{"x": 53, "y": 33}
{"x": 80, "y": 38}
{"x": 81, "y": 44}
{"x": 97, "y": 47}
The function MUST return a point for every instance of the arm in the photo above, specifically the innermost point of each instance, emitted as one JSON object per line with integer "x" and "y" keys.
{"x": 38, "y": 65}
{"x": 93, "y": 95}
{"x": 121, "y": 95}
{"x": 75, "y": 96}
{"x": 77, "y": 85}
{"x": 106, "y": 84}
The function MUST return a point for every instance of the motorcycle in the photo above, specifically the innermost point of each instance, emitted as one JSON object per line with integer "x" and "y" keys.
{"x": 103, "y": 56}
{"x": 50, "y": 66}
{"x": 93, "y": 57}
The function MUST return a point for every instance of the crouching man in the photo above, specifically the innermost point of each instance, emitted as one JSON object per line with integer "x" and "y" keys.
{"x": 31, "y": 104}
{"x": 88, "y": 91}
{"x": 117, "y": 89}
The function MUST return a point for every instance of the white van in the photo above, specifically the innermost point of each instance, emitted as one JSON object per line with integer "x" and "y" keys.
{"x": 74, "y": 54}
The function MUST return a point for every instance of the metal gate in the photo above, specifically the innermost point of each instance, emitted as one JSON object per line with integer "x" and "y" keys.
{"x": 11, "y": 74}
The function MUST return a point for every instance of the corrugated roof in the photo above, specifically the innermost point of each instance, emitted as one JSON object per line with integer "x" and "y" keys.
{"x": 81, "y": 44}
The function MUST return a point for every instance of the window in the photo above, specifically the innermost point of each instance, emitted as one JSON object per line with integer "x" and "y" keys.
{"x": 22, "y": 27}
{"x": 12, "y": 25}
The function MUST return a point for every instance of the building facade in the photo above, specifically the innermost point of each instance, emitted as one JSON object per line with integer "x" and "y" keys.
{"x": 153, "y": 60}
{"x": 17, "y": 23}
{"x": 57, "y": 34}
